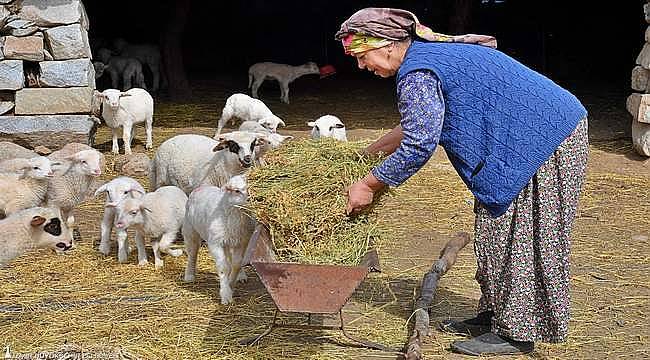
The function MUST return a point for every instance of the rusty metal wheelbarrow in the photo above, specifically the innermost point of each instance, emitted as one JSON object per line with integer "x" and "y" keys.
{"x": 305, "y": 288}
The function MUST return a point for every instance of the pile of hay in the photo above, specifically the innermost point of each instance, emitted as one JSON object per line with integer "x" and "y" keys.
{"x": 300, "y": 195}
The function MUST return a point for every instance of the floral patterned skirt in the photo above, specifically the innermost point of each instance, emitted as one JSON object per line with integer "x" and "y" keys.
{"x": 523, "y": 255}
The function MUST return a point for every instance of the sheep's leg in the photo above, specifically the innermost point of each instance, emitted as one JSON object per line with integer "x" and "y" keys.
{"x": 115, "y": 148}
{"x": 122, "y": 246}
{"x": 284, "y": 90}
{"x": 142, "y": 252}
{"x": 223, "y": 269}
{"x": 165, "y": 245}
{"x": 126, "y": 136}
{"x": 155, "y": 72}
{"x": 126, "y": 80}
{"x": 105, "y": 229}
{"x": 256, "y": 85}
{"x": 237, "y": 273}
{"x": 149, "y": 131}
{"x": 115, "y": 78}
{"x": 226, "y": 114}
{"x": 192, "y": 245}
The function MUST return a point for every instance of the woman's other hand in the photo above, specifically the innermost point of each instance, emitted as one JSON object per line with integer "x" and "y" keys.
{"x": 361, "y": 193}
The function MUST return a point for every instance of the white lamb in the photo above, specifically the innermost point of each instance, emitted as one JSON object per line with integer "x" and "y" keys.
{"x": 120, "y": 68}
{"x": 274, "y": 139}
{"x": 126, "y": 109}
{"x": 71, "y": 185}
{"x": 188, "y": 161}
{"x": 158, "y": 215}
{"x": 246, "y": 108}
{"x": 214, "y": 214}
{"x": 147, "y": 54}
{"x": 328, "y": 126}
{"x": 32, "y": 228}
{"x": 283, "y": 73}
{"x": 27, "y": 188}
{"x": 116, "y": 190}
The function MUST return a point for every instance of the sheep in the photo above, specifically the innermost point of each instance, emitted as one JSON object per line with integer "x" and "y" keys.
{"x": 127, "y": 109}
{"x": 147, "y": 54}
{"x": 246, "y": 108}
{"x": 9, "y": 150}
{"x": 210, "y": 161}
{"x": 71, "y": 185}
{"x": 283, "y": 73}
{"x": 328, "y": 126}
{"x": 126, "y": 69}
{"x": 214, "y": 214}
{"x": 27, "y": 189}
{"x": 116, "y": 190}
{"x": 157, "y": 214}
{"x": 32, "y": 228}
{"x": 274, "y": 140}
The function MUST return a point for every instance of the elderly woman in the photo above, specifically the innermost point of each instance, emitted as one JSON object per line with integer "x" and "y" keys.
{"x": 518, "y": 141}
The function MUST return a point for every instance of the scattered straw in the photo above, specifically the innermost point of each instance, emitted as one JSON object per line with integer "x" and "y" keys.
{"x": 299, "y": 194}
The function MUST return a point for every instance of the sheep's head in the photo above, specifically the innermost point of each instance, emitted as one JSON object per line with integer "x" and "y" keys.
{"x": 104, "y": 55}
{"x": 89, "y": 161}
{"x": 99, "y": 68}
{"x": 119, "y": 189}
{"x": 38, "y": 167}
{"x": 325, "y": 126}
{"x": 237, "y": 190}
{"x": 49, "y": 231}
{"x": 128, "y": 212}
{"x": 271, "y": 122}
{"x": 119, "y": 44}
{"x": 312, "y": 67}
{"x": 242, "y": 144}
{"x": 111, "y": 97}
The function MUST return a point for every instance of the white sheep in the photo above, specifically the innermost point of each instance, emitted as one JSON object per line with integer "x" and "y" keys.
{"x": 246, "y": 108}
{"x": 26, "y": 185}
{"x": 32, "y": 228}
{"x": 116, "y": 190}
{"x": 274, "y": 139}
{"x": 283, "y": 73}
{"x": 72, "y": 183}
{"x": 127, "y": 109}
{"x": 9, "y": 150}
{"x": 188, "y": 161}
{"x": 120, "y": 68}
{"x": 328, "y": 126}
{"x": 214, "y": 214}
{"x": 158, "y": 215}
{"x": 147, "y": 54}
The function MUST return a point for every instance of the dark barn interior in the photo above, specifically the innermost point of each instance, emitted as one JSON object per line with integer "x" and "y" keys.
{"x": 587, "y": 47}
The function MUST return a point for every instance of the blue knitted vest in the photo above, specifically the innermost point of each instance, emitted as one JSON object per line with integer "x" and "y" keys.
{"x": 502, "y": 119}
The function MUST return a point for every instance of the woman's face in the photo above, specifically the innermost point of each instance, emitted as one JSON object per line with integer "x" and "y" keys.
{"x": 383, "y": 61}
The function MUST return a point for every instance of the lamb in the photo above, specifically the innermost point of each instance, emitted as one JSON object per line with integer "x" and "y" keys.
{"x": 27, "y": 189}
{"x": 210, "y": 161}
{"x": 328, "y": 126}
{"x": 9, "y": 150}
{"x": 246, "y": 108}
{"x": 116, "y": 190}
{"x": 284, "y": 74}
{"x": 126, "y": 69}
{"x": 274, "y": 140}
{"x": 214, "y": 214}
{"x": 157, "y": 214}
{"x": 71, "y": 184}
{"x": 147, "y": 54}
{"x": 127, "y": 109}
{"x": 32, "y": 228}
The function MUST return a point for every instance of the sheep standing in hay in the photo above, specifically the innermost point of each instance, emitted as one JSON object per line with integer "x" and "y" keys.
{"x": 284, "y": 74}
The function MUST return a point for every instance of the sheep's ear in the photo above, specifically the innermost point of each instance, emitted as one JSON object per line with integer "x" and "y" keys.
{"x": 221, "y": 145}
{"x": 37, "y": 221}
{"x": 311, "y": 124}
{"x": 111, "y": 204}
{"x": 132, "y": 190}
{"x": 101, "y": 189}
{"x": 261, "y": 141}
{"x": 285, "y": 138}
{"x": 123, "y": 94}
{"x": 339, "y": 126}
{"x": 282, "y": 122}
{"x": 144, "y": 208}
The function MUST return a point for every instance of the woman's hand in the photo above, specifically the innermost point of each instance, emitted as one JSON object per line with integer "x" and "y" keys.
{"x": 361, "y": 193}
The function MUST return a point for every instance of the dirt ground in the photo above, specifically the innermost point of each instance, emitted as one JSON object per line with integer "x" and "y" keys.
{"x": 91, "y": 300}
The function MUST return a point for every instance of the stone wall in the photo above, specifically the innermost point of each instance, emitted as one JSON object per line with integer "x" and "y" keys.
{"x": 46, "y": 73}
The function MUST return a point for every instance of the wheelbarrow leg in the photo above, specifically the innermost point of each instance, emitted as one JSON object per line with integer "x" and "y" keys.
{"x": 365, "y": 343}
{"x": 253, "y": 340}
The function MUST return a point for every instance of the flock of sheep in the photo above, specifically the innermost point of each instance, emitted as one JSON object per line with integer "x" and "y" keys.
{"x": 198, "y": 185}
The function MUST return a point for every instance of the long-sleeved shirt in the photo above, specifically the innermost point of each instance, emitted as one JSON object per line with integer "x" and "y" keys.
{"x": 422, "y": 109}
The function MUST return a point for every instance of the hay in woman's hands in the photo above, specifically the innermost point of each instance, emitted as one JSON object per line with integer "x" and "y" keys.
{"x": 300, "y": 195}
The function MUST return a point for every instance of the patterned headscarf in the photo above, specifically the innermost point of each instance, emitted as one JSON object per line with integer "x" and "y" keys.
{"x": 372, "y": 28}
